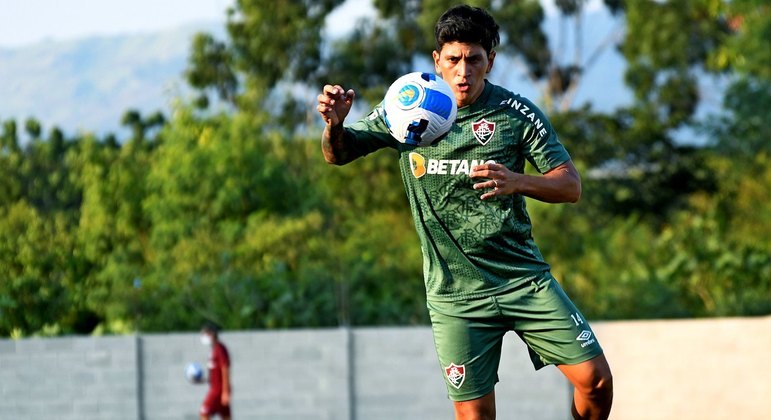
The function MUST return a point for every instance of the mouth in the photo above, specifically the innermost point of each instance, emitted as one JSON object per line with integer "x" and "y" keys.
{"x": 463, "y": 87}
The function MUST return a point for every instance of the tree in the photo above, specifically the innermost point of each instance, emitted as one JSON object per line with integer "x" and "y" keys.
{"x": 742, "y": 130}
{"x": 269, "y": 42}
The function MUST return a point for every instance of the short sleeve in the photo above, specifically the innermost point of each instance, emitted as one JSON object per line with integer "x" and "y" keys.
{"x": 223, "y": 356}
{"x": 541, "y": 145}
{"x": 371, "y": 133}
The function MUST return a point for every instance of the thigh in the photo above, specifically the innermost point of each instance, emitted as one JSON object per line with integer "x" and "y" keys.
{"x": 469, "y": 349}
{"x": 551, "y": 325}
{"x": 211, "y": 404}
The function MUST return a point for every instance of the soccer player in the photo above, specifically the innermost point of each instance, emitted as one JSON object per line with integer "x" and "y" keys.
{"x": 217, "y": 400}
{"x": 483, "y": 273}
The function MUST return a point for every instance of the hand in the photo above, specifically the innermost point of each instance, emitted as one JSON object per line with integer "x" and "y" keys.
{"x": 225, "y": 398}
{"x": 334, "y": 104}
{"x": 501, "y": 180}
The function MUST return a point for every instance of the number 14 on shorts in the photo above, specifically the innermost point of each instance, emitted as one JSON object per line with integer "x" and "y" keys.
{"x": 576, "y": 317}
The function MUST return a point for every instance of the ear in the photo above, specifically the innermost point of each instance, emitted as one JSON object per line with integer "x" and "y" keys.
{"x": 435, "y": 54}
{"x": 491, "y": 59}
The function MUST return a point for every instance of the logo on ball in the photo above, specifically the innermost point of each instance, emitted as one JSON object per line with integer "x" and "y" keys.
{"x": 410, "y": 96}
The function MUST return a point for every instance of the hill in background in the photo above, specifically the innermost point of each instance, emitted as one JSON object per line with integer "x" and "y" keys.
{"x": 86, "y": 85}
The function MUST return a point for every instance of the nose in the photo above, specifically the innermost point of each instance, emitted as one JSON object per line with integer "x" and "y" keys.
{"x": 463, "y": 68}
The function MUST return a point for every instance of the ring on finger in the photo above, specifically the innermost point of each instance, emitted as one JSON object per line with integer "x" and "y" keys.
{"x": 495, "y": 182}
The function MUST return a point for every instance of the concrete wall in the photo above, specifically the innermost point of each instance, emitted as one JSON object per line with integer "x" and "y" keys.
{"x": 690, "y": 369}
{"x": 694, "y": 369}
{"x": 69, "y": 378}
{"x": 393, "y": 373}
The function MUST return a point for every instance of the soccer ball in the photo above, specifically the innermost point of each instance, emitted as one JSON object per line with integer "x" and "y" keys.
{"x": 194, "y": 373}
{"x": 419, "y": 109}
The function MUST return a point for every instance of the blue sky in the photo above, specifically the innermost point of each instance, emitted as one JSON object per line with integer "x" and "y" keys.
{"x": 31, "y": 21}
{"x": 25, "y": 22}
{"x": 28, "y": 22}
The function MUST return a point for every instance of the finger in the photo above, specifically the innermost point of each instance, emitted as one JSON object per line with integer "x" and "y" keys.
{"x": 487, "y": 166}
{"x": 486, "y": 184}
{"x": 490, "y": 194}
{"x": 324, "y": 99}
{"x": 349, "y": 96}
{"x": 333, "y": 91}
{"x": 481, "y": 173}
{"x": 330, "y": 89}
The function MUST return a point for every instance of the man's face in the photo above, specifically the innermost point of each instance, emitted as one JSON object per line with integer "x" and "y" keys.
{"x": 464, "y": 66}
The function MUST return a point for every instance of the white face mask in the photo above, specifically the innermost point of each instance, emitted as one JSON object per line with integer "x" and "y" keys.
{"x": 206, "y": 339}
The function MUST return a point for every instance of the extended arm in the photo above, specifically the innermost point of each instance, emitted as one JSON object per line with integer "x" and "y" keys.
{"x": 334, "y": 105}
{"x": 560, "y": 185}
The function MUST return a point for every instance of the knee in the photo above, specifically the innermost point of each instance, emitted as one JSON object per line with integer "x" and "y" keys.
{"x": 477, "y": 415}
{"x": 479, "y": 409}
{"x": 599, "y": 386}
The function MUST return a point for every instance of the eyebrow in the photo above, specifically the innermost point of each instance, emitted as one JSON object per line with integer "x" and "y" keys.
{"x": 458, "y": 55}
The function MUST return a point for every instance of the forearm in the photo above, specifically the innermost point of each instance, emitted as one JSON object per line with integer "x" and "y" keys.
{"x": 226, "y": 380}
{"x": 334, "y": 145}
{"x": 560, "y": 185}
{"x": 548, "y": 191}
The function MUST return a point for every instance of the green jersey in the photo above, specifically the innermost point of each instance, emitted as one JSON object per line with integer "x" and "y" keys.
{"x": 472, "y": 248}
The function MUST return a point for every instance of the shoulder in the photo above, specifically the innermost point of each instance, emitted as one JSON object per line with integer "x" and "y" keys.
{"x": 515, "y": 104}
{"x": 521, "y": 110}
{"x": 374, "y": 120}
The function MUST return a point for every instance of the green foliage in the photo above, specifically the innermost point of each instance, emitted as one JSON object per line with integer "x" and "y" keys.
{"x": 269, "y": 42}
{"x": 745, "y": 46}
{"x": 705, "y": 261}
{"x": 222, "y": 220}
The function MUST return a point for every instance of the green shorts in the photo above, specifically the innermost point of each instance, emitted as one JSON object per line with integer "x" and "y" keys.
{"x": 468, "y": 334}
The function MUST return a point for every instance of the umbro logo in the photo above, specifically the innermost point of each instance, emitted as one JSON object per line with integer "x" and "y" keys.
{"x": 586, "y": 337}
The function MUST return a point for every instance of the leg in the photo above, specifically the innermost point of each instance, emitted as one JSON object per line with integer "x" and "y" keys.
{"x": 479, "y": 409}
{"x": 593, "y": 388}
{"x": 209, "y": 406}
{"x": 225, "y": 412}
{"x": 469, "y": 351}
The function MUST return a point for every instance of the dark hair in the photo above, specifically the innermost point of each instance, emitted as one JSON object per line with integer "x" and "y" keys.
{"x": 211, "y": 327}
{"x": 467, "y": 24}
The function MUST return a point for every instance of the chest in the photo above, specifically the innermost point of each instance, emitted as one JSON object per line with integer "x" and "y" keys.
{"x": 473, "y": 140}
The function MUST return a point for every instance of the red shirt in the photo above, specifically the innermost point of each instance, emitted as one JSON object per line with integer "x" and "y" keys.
{"x": 219, "y": 357}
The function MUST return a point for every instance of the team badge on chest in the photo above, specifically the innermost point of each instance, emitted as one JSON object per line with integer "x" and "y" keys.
{"x": 483, "y": 130}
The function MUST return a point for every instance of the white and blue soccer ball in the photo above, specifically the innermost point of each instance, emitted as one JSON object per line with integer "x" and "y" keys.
{"x": 194, "y": 373}
{"x": 419, "y": 109}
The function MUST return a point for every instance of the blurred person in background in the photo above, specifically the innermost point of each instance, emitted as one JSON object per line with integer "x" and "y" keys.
{"x": 217, "y": 400}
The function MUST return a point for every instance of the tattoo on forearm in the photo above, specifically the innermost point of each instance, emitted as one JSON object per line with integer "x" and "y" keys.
{"x": 334, "y": 147}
